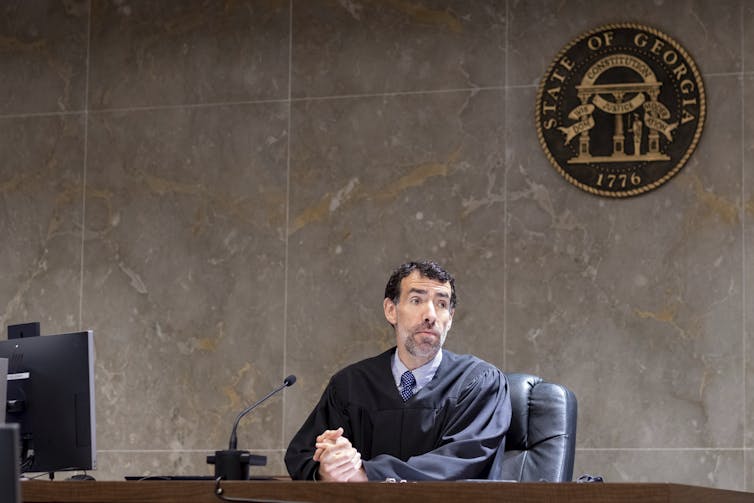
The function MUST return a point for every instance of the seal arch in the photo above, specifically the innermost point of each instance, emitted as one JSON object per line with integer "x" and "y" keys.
{"x": 589, "y": 92}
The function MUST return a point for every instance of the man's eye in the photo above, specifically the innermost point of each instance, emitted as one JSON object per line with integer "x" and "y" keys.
{"x": 443, "y": 305}
{"x": 414, "y": 300}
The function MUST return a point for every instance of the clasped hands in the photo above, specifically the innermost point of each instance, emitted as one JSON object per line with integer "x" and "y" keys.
{"x": 338, "y": 460}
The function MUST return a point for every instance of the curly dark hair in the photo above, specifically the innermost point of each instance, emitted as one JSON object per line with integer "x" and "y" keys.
{"x": 427, "y": 269}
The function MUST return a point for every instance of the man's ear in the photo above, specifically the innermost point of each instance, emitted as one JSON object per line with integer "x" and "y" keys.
{"x": 390, "y": 310}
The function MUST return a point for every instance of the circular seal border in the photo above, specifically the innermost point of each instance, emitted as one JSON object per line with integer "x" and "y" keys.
{"x": 692, "y": 146}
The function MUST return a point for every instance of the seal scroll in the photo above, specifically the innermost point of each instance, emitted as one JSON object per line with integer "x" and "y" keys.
{"x": 620, "y": 110}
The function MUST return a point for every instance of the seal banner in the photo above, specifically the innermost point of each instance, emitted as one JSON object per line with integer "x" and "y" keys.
{"x": 620, "y": 110}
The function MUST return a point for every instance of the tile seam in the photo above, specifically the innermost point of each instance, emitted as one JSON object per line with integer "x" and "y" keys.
{"x": 85, "y": 166}
{"x": 287, "y": 216}
{"x": 744, "y": 269}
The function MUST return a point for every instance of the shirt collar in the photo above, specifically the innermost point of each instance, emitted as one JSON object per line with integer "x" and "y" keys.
{"x": 422, "y": 374}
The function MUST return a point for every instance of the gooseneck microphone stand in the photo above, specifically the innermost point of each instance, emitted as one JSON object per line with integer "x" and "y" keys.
{"x": 232, "y": 463}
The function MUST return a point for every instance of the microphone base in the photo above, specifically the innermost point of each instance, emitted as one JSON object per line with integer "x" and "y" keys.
{"x": 234, "y": 464}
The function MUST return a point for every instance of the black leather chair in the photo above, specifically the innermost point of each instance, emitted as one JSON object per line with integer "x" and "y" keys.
{"x": 541, "y": 441}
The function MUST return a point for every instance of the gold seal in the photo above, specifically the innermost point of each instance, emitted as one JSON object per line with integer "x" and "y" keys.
{"x": 620, "y": 110}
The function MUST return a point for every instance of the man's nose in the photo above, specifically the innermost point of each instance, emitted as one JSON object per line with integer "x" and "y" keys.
{"x": 430, "y": 315}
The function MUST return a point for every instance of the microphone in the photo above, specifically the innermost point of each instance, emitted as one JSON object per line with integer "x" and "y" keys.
{"x": 232, "y": 464}
{"x": 288, "y": 381}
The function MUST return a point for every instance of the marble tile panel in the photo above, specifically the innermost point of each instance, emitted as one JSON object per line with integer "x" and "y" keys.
{"x": 115, "y": 465}
{"x": 184, "y": 274}
{"x": 722, "y": 469}
{"x": 376, "y": 182}
{"x": 342, "y": 48}
{"x": 709, "y": 31}
{"x": 147, "y": 53}
{"x": 43, "y": 63}
{"x": 634, "y": 304}
{"x": 40, "y": 221}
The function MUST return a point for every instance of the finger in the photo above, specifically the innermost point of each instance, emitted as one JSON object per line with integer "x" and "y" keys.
{"x": 356, "y": 460}
{"x": 336, "y": 432}
{"x": 329, "y": 435}
{"x": 358, "y": 476}
{"x": 340, "y": 441}
{"x": 317, "y": 454}
{"x": 349, "y": 471}
{"x": 330, "y": 448}
{"x": 341, "y": 465}
{"x": 337, "y": 457}
{"x": 326, "y": 446}
{"x": 343, "y": 471}
{"x": 340, "y": 448}
{"x": 330, "y": 457}
{"x": 333, "y": 434}
{"x": 343, "y": 474}
{"x": 351, "y": 474}
{"x": 331, "y": 471}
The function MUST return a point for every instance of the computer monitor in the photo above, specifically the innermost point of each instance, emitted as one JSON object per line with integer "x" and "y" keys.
{"x": 51, "y": 397}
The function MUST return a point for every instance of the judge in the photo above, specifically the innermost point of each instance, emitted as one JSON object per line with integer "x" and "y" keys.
{"x": 414, "y": 412}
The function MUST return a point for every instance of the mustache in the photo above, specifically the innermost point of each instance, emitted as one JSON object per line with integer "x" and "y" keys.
{"x": 426, "y": 327}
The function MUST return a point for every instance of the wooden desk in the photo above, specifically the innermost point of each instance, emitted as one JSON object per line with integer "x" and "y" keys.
{"x": 425, "y": 492}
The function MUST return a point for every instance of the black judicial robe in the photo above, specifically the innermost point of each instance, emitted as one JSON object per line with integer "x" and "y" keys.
{"x": 451, "y": 429}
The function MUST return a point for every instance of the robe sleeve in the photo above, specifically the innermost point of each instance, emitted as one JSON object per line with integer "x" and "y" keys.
{"x": 298, "y": 457}
{"x": 474, "y": 431}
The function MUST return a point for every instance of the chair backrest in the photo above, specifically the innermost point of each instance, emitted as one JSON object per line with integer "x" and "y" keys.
{"x": 10, "y": 490}
{"x": 541, "y": 441}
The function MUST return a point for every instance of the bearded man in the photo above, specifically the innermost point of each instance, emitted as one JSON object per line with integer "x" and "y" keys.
{"x": 414, "y": 412}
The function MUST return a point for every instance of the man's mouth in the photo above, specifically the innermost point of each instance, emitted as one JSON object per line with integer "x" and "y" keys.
{"x": 427, "y": 332}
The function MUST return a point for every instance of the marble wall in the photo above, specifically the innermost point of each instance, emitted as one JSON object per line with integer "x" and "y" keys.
{"x": 221, "y": 189}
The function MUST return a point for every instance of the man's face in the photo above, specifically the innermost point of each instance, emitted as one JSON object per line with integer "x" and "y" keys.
{"x": 422, "y": 318}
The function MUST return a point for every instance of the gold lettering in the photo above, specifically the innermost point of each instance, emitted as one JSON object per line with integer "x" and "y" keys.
{"x": 550, "y": 123}
{"x": 686, "y": 117}
{"x": 688, "y": 102}
{"x": 547, "y": 108}
{"x": 595, "y": 42}
{"x": 680, "y": 71}
{"x": 640, "y": 40}
{"x": 566, "y": 63}
{"x": 656, "y": 47}
{"x": 670, "y": 57}
{"x": 554, "y": 92}
{"x": 582, "y": 126}
{"x": 687, "y": 86}
{"x": 556, "y": 76}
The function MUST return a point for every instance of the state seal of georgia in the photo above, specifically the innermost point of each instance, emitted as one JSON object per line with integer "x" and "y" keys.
{"x": 620, "y": 110}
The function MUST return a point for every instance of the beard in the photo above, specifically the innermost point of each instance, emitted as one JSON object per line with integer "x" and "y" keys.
{"x": 424, "y": 346}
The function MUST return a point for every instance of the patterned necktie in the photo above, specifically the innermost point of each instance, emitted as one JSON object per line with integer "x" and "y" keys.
{"x": 407, "y": 385}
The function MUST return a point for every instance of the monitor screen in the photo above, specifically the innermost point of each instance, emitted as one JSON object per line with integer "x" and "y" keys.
{"x": 50, "y": 396}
